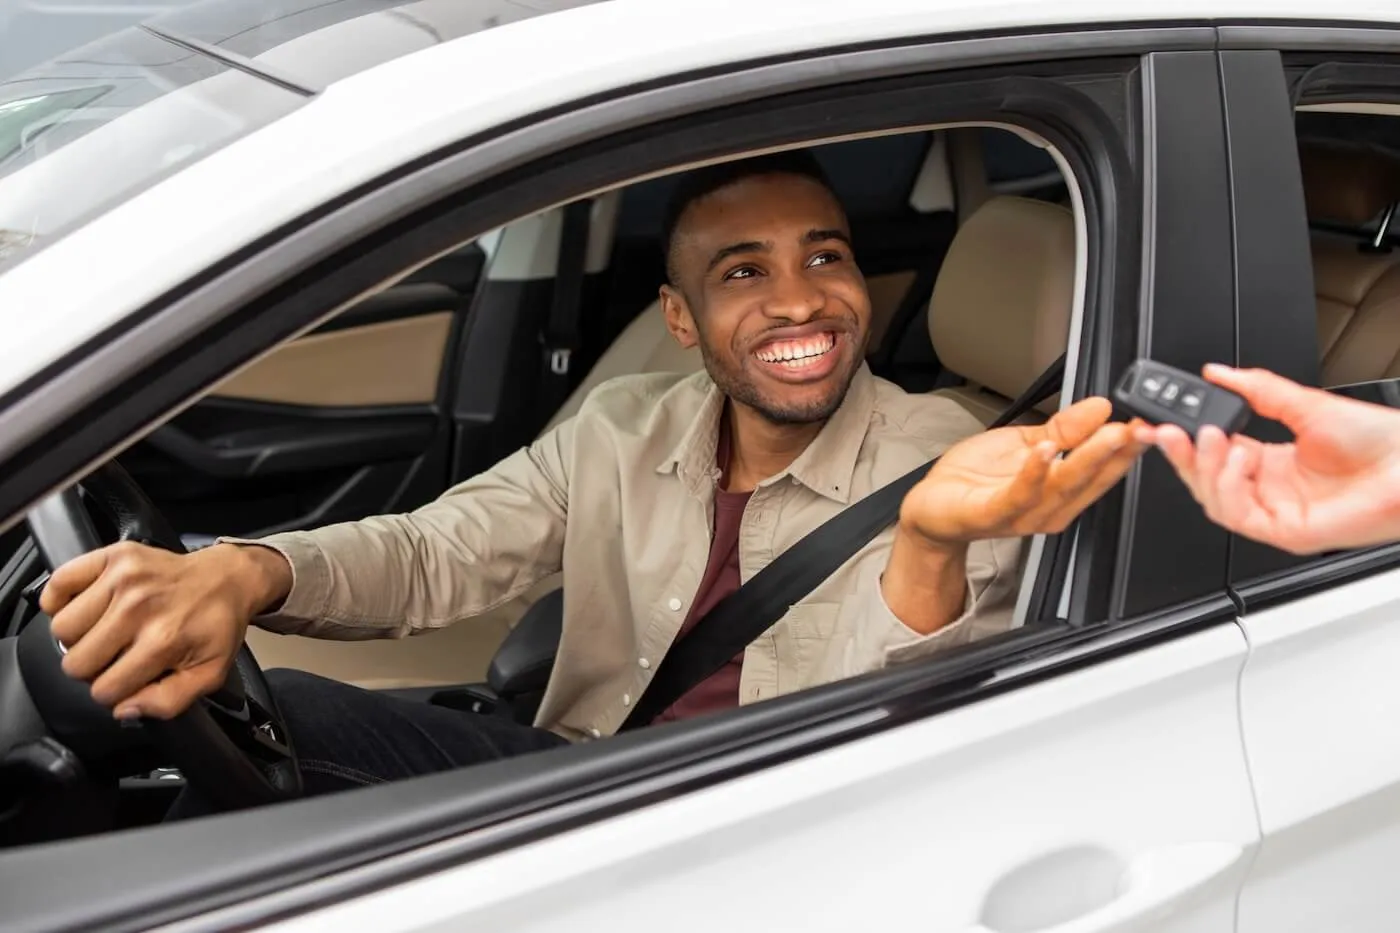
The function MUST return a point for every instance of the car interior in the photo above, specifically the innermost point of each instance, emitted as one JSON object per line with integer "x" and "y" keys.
{"x": 966, "y": 236}
{"x": 1351, "y": 181}
{"x": 904, "y": 222}
{"x": 968, "y": 241}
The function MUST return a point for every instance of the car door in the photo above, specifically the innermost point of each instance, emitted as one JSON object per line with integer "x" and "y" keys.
{"x": 1083, "y": 772}
{"x": 1319, "y": 692}
{"x": 351, "y": 419}
{"x": 1090, "y": 788}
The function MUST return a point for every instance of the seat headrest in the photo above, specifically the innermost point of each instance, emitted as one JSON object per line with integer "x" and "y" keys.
{"x": 1347, "y": 182}
{"x": 1001, "y": 308}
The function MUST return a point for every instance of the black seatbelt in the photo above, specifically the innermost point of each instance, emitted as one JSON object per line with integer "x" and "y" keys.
{"x": 560, "y": 339}
{"x": 753, "y": 608}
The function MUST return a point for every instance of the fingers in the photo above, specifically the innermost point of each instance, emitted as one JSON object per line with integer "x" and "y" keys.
{"x": 1234, "y": 487}
{"x": 71, "y": 579}
{"x": 151, "y": 655}
{"x": 1083, "y": 477}
{"x": 168, "y": 698}
{"x": 1028, "y": 487}
{"x": 1047, "y": 495}
{"x": 1176, "y": 445}
{"x": 1269, "y": 394}
{"x": 91, "y": 646}
{"x": 1074, "y": 425}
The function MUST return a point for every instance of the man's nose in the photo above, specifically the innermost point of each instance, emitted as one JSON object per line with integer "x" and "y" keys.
{"x": 795, "y": 297}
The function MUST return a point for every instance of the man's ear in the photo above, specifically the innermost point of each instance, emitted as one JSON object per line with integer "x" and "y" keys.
{"x": 679, "y": 321}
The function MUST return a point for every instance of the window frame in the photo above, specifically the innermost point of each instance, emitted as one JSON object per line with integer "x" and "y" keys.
{"x": 280, "y": 288}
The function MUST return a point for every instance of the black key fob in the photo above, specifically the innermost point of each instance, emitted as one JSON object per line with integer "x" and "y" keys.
{"x": 1161, "y": 394}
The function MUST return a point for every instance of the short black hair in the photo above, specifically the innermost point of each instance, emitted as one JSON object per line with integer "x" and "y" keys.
{"x": 705, "y": 181}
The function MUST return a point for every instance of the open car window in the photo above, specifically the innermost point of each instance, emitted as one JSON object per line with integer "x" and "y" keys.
{"x": 975, "y": 372}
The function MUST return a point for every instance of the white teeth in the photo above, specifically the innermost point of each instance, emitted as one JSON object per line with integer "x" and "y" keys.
{"x": 797, "y": 352}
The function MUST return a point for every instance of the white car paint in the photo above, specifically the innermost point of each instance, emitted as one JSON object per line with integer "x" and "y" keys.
{"x": 1320, "y": 701}
{"x": 371, "y": 122}
{"x": 1117, "y": 799}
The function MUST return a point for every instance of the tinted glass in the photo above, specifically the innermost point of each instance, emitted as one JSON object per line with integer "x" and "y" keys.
{"x": 91, "y": 129}
{"x": 317, "y": 42}
{"x": 97, "y": 125}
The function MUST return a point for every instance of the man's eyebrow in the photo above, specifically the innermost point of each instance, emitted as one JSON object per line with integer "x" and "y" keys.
{"x": 818, "y": 236}
{"x": 724, "y": 252}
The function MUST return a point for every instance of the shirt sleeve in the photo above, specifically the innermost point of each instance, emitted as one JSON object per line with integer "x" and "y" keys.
{"x": 989, "y": 604}
{"x": 477, "y": 546}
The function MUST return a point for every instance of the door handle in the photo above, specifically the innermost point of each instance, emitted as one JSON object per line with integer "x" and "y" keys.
{"x": 1148, "y": 886}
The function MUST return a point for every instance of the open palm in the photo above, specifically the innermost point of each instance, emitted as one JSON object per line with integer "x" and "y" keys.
{"x": 1011, "y": 482}
{"x": 1336, "y": 485}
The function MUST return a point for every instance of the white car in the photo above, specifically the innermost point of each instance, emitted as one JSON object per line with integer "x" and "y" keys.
{"x": 301, "y": 261}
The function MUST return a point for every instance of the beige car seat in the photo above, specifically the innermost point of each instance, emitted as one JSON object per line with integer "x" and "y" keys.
{"x": 1358, "y": 290}
{"x": 1001, "y": 308}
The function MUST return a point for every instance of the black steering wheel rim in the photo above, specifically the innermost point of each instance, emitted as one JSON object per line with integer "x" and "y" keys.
{"x": 232, "y": 746}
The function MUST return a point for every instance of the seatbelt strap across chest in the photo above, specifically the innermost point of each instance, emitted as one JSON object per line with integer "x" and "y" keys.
{"x": 754, "y": 608}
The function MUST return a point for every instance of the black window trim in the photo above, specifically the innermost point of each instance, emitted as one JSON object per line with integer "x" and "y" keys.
{"x": 1186, "y": 310}
{"x": 204, "y": 311}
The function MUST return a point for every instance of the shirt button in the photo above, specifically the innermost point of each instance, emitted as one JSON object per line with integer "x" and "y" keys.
{"x": 627, "y": 699}
{"x": 595, "y": 733}
{"x": 643, "y": 663}
{"x": 675, "y": 604}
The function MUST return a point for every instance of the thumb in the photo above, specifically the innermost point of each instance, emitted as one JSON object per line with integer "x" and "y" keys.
{"x": 1270, "y": 394}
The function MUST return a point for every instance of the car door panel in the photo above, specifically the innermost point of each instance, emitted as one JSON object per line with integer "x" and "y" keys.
{"x": 347, "y": 421}
{"x": 1112, "y": 798}
{"x": 1319, "y": 699}
{"x": 388, "y": 363}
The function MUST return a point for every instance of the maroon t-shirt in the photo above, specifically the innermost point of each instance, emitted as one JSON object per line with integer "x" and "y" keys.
{"x": 721, "y": 689}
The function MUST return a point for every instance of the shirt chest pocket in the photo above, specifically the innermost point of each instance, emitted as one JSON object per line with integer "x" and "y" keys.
{"x": 805, "y": 637}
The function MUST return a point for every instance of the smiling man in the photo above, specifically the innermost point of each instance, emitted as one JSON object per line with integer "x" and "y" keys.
{"x": 658, "y": 499}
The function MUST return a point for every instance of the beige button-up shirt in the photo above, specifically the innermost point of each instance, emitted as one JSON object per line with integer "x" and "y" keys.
{"x": 620, "y": 498}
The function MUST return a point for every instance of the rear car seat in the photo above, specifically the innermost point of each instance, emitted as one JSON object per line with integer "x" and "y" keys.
{"x": 1358, "y": 289}
{"x": 1001, "y": 308}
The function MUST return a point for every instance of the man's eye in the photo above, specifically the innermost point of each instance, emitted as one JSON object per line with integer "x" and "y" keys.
{"x": 822, "y": 259}
{"x": 742, "y": 272}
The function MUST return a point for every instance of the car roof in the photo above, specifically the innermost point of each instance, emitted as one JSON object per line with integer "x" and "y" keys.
{"x": 317, "y": 42}
{"x": 374, "y": 120}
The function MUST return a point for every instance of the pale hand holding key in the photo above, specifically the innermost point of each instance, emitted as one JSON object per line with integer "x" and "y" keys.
{"x": 1336, "y": 486}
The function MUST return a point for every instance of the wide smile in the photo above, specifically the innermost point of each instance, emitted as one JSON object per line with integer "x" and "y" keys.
{"x": 799, "y": 359}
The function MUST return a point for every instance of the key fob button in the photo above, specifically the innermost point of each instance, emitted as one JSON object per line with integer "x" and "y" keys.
{"x": 1190, "y": 403}
{"x": 1151, "y": 386}
{"x": 1170, "y": 393}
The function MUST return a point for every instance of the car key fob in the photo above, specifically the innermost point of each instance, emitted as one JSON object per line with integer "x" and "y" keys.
{"x": 1161, "y": 394}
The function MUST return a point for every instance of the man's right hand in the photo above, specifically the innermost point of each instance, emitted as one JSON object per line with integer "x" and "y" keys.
{"x": 152, "y": 630}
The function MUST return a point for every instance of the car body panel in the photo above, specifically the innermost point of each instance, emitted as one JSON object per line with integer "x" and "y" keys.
{"x": 1319, "y": 699}
{"x": 922, "y": 829}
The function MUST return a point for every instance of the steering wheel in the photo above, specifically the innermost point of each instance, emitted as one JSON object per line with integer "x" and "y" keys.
{"x": 231, "y": 745}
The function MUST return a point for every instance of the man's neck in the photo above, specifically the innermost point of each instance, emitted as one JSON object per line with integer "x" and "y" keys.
{"x": 758, "y": 448}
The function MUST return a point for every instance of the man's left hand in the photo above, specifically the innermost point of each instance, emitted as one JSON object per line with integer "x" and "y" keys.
{"x": 1012, "y": 482}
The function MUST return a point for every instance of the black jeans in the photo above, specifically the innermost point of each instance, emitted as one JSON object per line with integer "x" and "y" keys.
{"x": 347, "y": 737}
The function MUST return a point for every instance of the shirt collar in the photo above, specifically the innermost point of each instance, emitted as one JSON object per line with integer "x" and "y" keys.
{"x": 826, "y": 467}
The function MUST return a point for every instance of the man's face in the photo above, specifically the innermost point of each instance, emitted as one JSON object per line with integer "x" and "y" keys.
{"x": 767, "y": 286}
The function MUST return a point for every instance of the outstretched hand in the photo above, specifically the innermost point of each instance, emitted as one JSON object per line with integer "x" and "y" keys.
{"x": 1337, "y": 485}
{"x": 1012, "y": 482}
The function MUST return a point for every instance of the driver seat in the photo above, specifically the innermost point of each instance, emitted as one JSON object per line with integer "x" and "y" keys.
{"x": 999, "y": 316}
